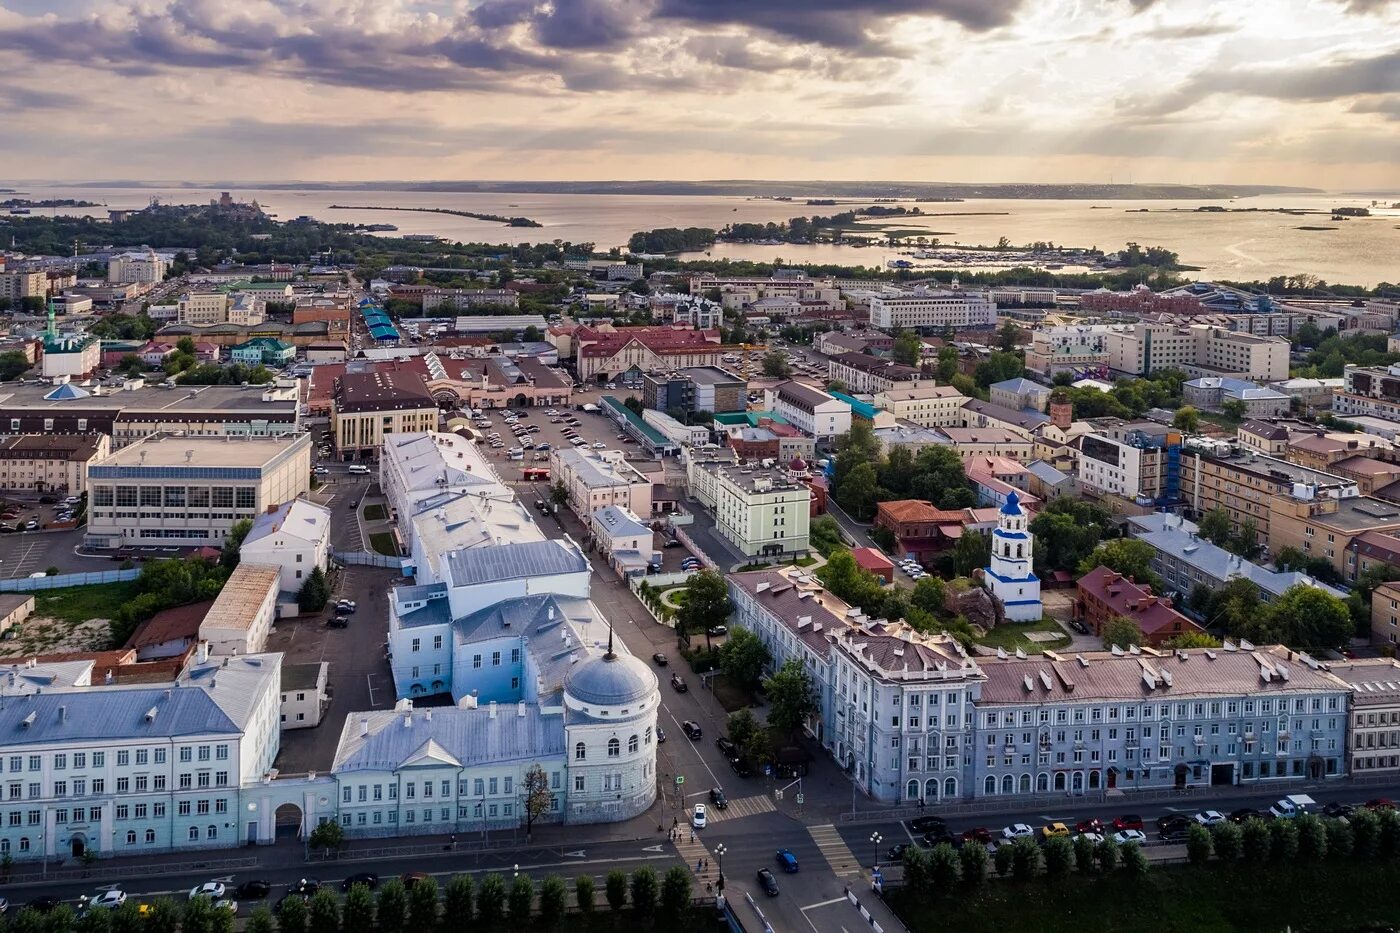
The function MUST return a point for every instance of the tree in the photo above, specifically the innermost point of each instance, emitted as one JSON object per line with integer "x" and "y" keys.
{"x": 490, "y": 902}
{"x": 1309, "y": 617}
{"x": 1187, "y": 419}
{"x": 825, "y": 535}
{"x": 537, "y": 798}
{"x": 131, "y": 365}
{"x": 791, "y": 698}
{"x": 973, "y": 859}
{"x": 743, "y": 658}
{"x": 971, "y": 552}
{"x": 1228, "y": 841}
{"x": 917, "y": 870}
{"x": 1191, "y": 640}
{"x": 615, "y": 890}
{"x": 1002, "y": 860}
{"x": 999, "y": 367}
{"x": 292, "y": 916}
{"x": 775, "y": 365}
{"x": 1083, "y": 853}
{"x": 1283, "y": 840}
{"x": 96, "y": 921}
{"x": 859, "y": 492}
{"x": 1135, "y": 862}
{"x": 185, "y": 345}
{"x": 907, "y": 349}
{"x": 233, "y": 541}
{"x": 1121, "y": 632}
{"x": 358, "y": 915}
{"x": 392, "y": 909}
{"x": 315, "y": 592}
{"x": 522, "y": 898}
{"x": 1255, "y": 842}
{"x": 259, "y": 922}
{"x": 1025, "y": 859}
{"x": 1339, "y": 838}
{"x": 1059, "y": 857}
{"x": 634, "y": 404}
{"x": 943, "y": 868}
{"x": 1246, "y": 542}
{"x": 554, "y": 901}
{"x": 12, "y": 364}
{"x": 127, "y": 919}
{"x": 644, "y": 889}
{"x": 559, "y": 494}
{"x": 1214, "y": 526}
{"x": 1235, "y": 605}
{"x": 324, "y": 912}
{"x": 675, "y": 893}
{"x": 707, "y": 604}
{"x": 1107, "y": 854}
{"x": 1197, "y": 844}
{"x": 423, "y": 904}
{"x": 1009, "y": 336}
{"x": 1312, "y": 837}
{"x": 1365, "y": 834}
{"x": 584, "y": 894}
{"x": 858, "y": 445}
{"x": 1234, "y": 408}
{"x": 742, "y": 726}
{"x": 930, "y": 595}
{"x": 1128, "y": 556}
{"x": 328, "y": 835}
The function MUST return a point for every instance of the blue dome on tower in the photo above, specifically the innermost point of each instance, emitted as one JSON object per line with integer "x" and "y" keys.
{"x": 1013, "y": 505}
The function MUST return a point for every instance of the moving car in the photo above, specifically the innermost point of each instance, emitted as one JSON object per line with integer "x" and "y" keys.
{"x": 692, "y": 730}
{"x": 928, "y": 824}
{"x": 767, "y": 882}
{"x": 367, "y": 878}
{"x": 660, "y": 659}
{"x": 1094, "y": 838}
{"x": 113, "y": 898}
{"x": 697, "y": 818}
{"x": 1128, "y": 821}
{"x": 1293, "y": 805}
{"x": 1017, "y": 831}
{"x": 1210, "y": 817}
{"x": 211, "y": 889}
{"x": 977, "y": 834}
{"x": 718, "y": 799}
{"x": 43, "y": 904}
{"x": 1051, "y": 830}
{"x": 410, "y": 878}
{"x": 715, "y": 631}
{"x": 253, "y": 889}
{"x": 1337, "y": 810}
{"x": 896, "y": 851}
{"x": 787, "y": 861}
{"x": 678, "y": 683}
{"x": 1244, "y": 813}
{"x": 1130, "y": 835}
{"x": 1089, "y": 826}
{"x": 306, "y": 887}
{"x": 1380, "y": 803}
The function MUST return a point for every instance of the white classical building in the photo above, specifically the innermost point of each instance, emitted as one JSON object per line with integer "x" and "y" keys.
{"x": 1010, "y": 576}
{"x": 294, "y": 538}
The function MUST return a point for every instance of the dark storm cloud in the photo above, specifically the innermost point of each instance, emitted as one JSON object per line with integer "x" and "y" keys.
{"x": 1335, "y": 80}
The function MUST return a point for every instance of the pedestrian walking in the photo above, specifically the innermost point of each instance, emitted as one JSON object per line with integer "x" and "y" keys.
{"x": 692, "y": 835}
{"x": 697, "y": 866}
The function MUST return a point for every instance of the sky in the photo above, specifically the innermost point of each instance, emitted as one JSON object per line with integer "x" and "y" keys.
{"x": 1291, "y": 92}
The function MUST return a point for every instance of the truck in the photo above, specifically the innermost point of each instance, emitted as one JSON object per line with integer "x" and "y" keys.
{"x": 1291, "y": 806}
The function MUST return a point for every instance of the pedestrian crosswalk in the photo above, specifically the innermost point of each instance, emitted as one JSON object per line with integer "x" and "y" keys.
{"x": 697, "y": 858}
{"x": 833, "y": 848}
{"x": 744, "y": 806}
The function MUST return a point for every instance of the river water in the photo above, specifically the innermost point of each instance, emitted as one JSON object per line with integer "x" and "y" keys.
{"x": 1237, "y": 245}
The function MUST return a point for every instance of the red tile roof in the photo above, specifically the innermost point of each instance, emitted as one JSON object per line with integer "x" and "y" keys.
{"x": 1133, "y": 601}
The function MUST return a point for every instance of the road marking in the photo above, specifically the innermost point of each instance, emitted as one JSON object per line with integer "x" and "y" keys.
{"x": 656, "y": 848}
{"x": 744, "y": 806}
{"x": 834, "y": 900}
{"x": 833, "y": 848}
{"x": 579, "y": 854}
{"x": 369, "y": 682}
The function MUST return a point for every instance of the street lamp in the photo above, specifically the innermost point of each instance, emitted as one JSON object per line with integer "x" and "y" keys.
{"x": 875, "y": 840}
{"x": 719, "y": 856}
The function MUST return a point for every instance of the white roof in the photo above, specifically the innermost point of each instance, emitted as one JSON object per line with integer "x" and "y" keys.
{"x": 299, "y": 519}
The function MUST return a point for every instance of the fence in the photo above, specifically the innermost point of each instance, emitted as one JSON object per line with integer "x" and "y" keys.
{"x": 366, "y": 559}
{"x": 691, "y": 546}
{"x": 31, "y": 584}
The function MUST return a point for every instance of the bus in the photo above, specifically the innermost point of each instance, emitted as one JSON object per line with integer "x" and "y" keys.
{"x": 535, "y": 475}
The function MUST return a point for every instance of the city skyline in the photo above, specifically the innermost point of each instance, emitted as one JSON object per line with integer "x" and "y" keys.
{"x": 1172, "y": 91}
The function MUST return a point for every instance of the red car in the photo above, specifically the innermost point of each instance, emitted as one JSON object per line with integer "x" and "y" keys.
{"x": 978, "y": 834}
{"x": 1089, "y": 826}
{"x": 1128, "y": 821}
{"x": 1380, "y": 803}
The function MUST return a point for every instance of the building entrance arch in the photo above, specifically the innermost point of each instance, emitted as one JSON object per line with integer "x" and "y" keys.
{"x": 290, "y": 821}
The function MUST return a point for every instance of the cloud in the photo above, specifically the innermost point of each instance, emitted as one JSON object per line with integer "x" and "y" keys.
{"x": 1201, "y": 30}
{"x": 1388, "y": 106}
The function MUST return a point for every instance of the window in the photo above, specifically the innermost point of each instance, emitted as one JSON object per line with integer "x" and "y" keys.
{"x": 632, "y": 745}
{"x": 194, "y": 834}
{"x": 578, "y": 783}
{"x": 580, "y": 752}
{"x": 614, "y": 748}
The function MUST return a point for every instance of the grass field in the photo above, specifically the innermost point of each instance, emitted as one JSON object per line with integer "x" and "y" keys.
{"x": 383, "y": 542}
{"x": 374, "y": 512}
{"x": 1327, "y": 897}
{"x": 80, "y": 603}
{"x": 1012, "y": 635}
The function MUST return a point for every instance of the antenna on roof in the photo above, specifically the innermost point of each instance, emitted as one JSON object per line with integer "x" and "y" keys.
{"x": 610, "y": 656}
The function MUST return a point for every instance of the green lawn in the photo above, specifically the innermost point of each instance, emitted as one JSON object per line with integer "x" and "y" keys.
{"x": 1327, "y": 897}
{"x": 383, "y": 542}
{"x": 1012, "y": 635}
{"x": 375, "y": 512}
{"x": 80, "y": 603}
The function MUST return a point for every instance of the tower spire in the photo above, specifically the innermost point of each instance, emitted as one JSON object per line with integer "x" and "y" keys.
{"x": 610, "y": 656}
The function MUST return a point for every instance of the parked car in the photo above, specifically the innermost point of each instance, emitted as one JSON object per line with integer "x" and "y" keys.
{"x": 660, "y": 659}
{"x": 726, "y": 746}
{"x": 1017, "y": 831}
{"x": 1210, "y": 817}
{"x": 928, "y": 824}
{"x": 1130, "y": 835}
{"x": 718, "y": 799}
{"x": 678, "y": 683}
{"x": 1094, "y": 825}
{"x": 1174, "y": 822}
{"x": 43, "y": 904}
{"x": 1051, "y": 830}
{"x": 715, "y": 631}
{"x": 348, "y": 605}
{"x": 1380, "y": 803}
{"x": 254, "y": 889}
{"x": 1336, "y": 810}
{"x": 767, "y": 882}
{"x": 698, "y": 819}
{"x": 691, "y": 729}
{"x": 741, "y": 767}
{"x": 660, "y": 735}
{"x": 1128, "y": 821}
{"x": 1094, "y": 838}
{"x": 210, "y": 889}
{"x": 787, "y": 861}
{"x": 338, "y": 621}
{"x": 1244, "y": 813}
{"x": 410, "y": 878}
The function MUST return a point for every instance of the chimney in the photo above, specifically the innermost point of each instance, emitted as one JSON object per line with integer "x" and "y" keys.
{"x": 109, "y": 679}
{"x": 428, "y": 715}
{"x": 202, "y": 657}
{"x": 1061, "y": 414}
{"x": 364, "y": 727}
{"x": 493, "y": 709}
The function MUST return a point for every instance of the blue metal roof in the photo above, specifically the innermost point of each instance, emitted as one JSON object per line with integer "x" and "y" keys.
{"x": 471, "y": 736}
{"x": 512, "y": 561}
{"x": 109, "y": 715}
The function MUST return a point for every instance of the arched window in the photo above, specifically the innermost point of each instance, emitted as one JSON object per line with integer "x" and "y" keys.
{"x": 1093, "y": 780}
{"x": 4, "y": 845}
{"x": 614, "y": 748}
{"x": 150, "y": 835}
{"x": 632, "y": 745}
{"x": 931, "y": 789}
{"x": 1025, "y": 784}
{"x": 950, "y": 789}
{"x": 24, "y": 843}
{"x": 211, "y": 832}
{"x": 580, "y": 752}
{"x": 1020, "y": 550}
{"x": 1008, "y": 784}
{"x": 1059, "y": 780}
{"x": 194, "y": 834}
{"x": 911, "y": 790}
{"x": 1042, "y": 782}
{"x": 989, "y": 786}
{"x": 131, "y": 837}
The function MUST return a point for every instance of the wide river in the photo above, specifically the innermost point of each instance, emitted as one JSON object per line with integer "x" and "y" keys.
{"x": 1237, "y": 245}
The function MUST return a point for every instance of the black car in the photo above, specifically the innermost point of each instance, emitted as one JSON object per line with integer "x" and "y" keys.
{"x": 726, "y": 746}
{"x": 896, "y": 852}
{"x": 741, "y": 767}
{"x": 718, "y": 800}
{"x": 767, "y": 882}
{"x": 47, "y": 500}
{"x": 306, "y": 887}
{"x": 660, "y": 659}
{"x": 1244, "y": 813}
{"x": 939, "y": 836}
{"x": 660, "y": 735}
{"x": 253, "y": 890}
{"x": 338, "y": 621}
{"x": 692, "y": 730}
{"x": 715, "y": 631}
{"x": 367, "y": 878}
{"x": 1174, "y": 822}
{"x": 43, "y": 904}
{"x": 928, "y": 824}
{"x": 1175, "y": 834}
{"x": 678, "y": 683}
{"x": 1338, "y": 810}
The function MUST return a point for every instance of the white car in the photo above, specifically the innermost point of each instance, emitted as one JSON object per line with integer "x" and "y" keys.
{"x": 1017, "y": 831}
{"x": 210, "y": 889}
{"x": 1095, "y": 838}
{"x": 1130, "y": 835}
{"x": 599, "y": 445}
{"x": 697, "y": 819}
{"x": 1210, "y": 817}
{"x": 109, "y": 899}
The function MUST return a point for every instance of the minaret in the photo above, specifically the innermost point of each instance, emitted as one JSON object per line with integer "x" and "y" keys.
{"x": 52, "y": 332}
{"x": 1010, "y": 576}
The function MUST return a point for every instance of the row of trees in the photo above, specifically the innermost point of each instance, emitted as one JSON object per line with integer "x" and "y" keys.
{"x": 943, "y": 871}
{"x": 864, "y": 476}
{"x": 648, "y": 897}
{"x": 1128, "y": 398}
{"x": 1365, "y": 835}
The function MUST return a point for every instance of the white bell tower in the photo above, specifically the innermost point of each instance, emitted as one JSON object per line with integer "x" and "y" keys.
{"x": 1010, "y": 576}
